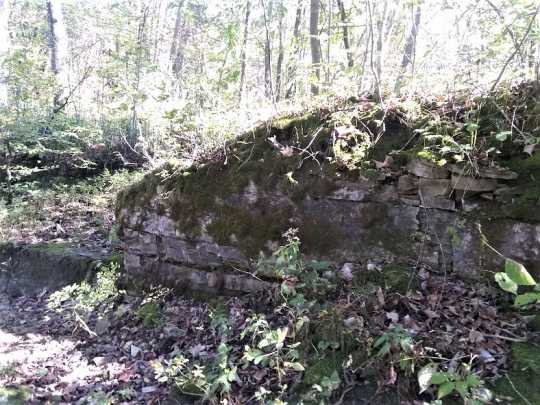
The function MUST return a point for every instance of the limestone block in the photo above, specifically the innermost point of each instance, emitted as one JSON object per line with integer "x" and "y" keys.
{"x": 422, "y": 168}
{"x": 472, "y": 184}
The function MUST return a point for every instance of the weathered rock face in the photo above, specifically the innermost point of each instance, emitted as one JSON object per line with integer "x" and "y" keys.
{"x": 28, "y": 270}
{"x": 203, "y": 229}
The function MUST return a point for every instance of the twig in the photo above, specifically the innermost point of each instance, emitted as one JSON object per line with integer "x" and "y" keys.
{"x": 531, "y": 22}
{"x": 84, "y": 325}
{"x": 517, "y": 392}
{"x": 510, "y": 339}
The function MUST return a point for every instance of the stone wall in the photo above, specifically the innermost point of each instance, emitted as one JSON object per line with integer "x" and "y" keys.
{"x": 413, "y": 214}
{"x": 28, "y": 270}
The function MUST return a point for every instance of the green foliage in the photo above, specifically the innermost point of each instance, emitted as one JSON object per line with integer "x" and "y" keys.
{"x": 396, "y": 338}
{"x": 272, "y": 348}
{"x": 86, "y": 297}
{"x": 209, "y": 380}
{"x": 514, "y": 276}
{"x": 150, "y": 314}
{"x": 464, "y": 382}
{"x": 300, "y": 280}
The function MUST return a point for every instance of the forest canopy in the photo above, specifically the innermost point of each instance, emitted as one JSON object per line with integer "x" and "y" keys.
{"x": 156, "y": 78}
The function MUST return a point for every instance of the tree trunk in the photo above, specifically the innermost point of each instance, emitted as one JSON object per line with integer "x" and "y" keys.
{"x": 345, "y": 28}
{"x": 380, "y": 41}
{"x": 281, "y": 55}
{"x": 291, "y": 74}
{"x": 56, "y": 43}
{"x": 410, "y": 49}
{"x": 134, "y": 128}
{"x": 267, "y": 50}
{"x": 315, "y": 43}
{"x": 4, "y": 48}
{"x": 176, "y": 52}
{"x": 243, "y": 52}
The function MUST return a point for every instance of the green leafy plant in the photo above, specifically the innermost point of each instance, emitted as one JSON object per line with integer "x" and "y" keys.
{"x": 210, "y": 380}
{"x": 272, "y": 349}
{"x": 464, "y": 382}
{"x": 514, "y": 276}
{"x": 85, "y": 296}
{"x": 396, "y": 338}
{"x": 150, "y": 314}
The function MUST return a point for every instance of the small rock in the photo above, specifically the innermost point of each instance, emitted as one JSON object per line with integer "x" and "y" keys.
{"x": 99, "y": 360}
{"x": 102, "y": 326}
{"x": 422, "y": 168}
{"x": 346, "y": 272}
{"x": 148, "y": 390}
{"x": 173, "y": 331}
{"x": 134, "y": 350}
{"x": 354, "y": 322}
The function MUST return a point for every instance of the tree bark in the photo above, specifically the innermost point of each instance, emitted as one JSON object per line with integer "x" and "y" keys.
{"x": 56, "y": 38}
{"x": 315, "y": 43}
{"x": 267, "y": 50}
{"x": 4, "y": 48}
{"x": 176, "y": 52}
{"x": 291, "y": 74}
{"x": 281, "y": 55}
{"x": 345, "y": 29}
{"x": 410, "y": 49}
{"x": 243, "y": 52}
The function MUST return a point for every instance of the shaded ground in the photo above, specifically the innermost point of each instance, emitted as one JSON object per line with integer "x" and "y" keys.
{"x": 120, "y": 353}
{"x": 45, "y": 358}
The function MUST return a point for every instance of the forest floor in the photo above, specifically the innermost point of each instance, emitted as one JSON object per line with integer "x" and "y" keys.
{"x": 125, "y": 349}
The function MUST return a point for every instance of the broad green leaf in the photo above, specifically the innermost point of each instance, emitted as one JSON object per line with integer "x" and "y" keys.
{"x": 439, "y": 378}
{"x": 527, "y": 299}
{"x": 473, "y": 381}
{"x": 462, "y": 388}
{"x": 382, "y": 339}
{"x": 503, "y": 135}
{"x": 506, "y": 283}
{"x": 517, "y": 272}
{"x": 445, "y": 389}
{"x": 424, "y": 377}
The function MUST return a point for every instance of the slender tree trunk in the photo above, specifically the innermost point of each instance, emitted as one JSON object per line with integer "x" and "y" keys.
{"x": 56, "y": 39}
{"x": 328, "y": 42}
{"x": 281, "y": 55}
{"x": 4, "y": 48}
{"x": 315, "y": 43}
{"x": 291, "y": 74}
{"x": 134, "y": 127}
{"x": 267, "y": 49}
{"x": 410, "y": 49}
{"x": 243, "y": 52}
{"x": 380, "y": 42}
{"x": 176, "y": 51}
{"x": 345, "y": 28}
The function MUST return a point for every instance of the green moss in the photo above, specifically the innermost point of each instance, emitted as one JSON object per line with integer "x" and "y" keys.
{"x": 523, "y": 377}
{"x": 398, "y": 278}
{"x": 53, "y": 248}
{"x": 304, "y": 122}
